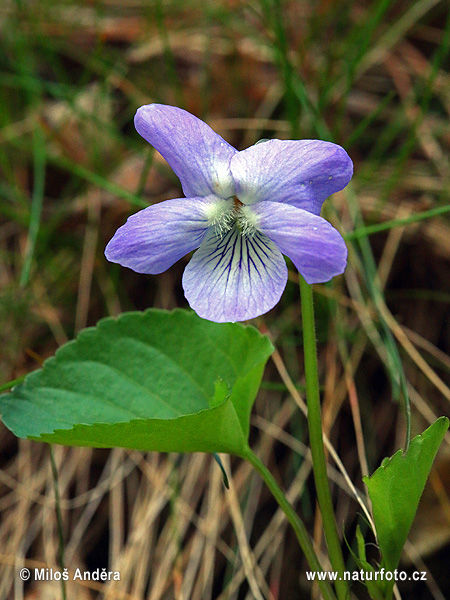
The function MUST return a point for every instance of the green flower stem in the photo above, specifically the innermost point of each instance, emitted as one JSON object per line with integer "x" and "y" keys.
{"x": 294, "y": 520}
{"x": 316, "y": 438}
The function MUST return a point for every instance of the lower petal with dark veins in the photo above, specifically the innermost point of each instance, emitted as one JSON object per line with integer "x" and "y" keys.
{"x": 234, "y": 277}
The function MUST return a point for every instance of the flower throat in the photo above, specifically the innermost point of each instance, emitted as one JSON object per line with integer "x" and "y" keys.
{"x": 232, "y": 212}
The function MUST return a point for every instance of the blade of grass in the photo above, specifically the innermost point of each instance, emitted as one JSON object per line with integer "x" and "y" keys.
{"x": 169, "y": 56}
{"x": 98, "y": 180}
{"x": 414, "y": 128}
{"x": 366, "y": 230}
{"x": 395, "y": 32}
{"x": 296, "y": 93}
{"x": 145, "y": 170}
{"x": 59, "y": 520}
{"x": 367, "y": 121}
{"x": 62, "y": 92}
{"x": 39, "y": 162}
{"x": 357, "y": 45}
{"x": 11, "y": 384}
{"x": 369, "y": 273}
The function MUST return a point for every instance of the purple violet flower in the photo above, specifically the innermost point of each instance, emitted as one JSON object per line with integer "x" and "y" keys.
{"x": 243, "y": 211}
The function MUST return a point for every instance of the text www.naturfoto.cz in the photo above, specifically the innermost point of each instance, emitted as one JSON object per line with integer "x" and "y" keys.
{"x": 381, "y": 575}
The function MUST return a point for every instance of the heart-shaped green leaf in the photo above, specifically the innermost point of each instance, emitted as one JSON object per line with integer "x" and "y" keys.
{"x": 395, "y": 490}
{"x": 157, "y": 380}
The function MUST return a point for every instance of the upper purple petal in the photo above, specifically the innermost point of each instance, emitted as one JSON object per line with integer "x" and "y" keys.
{"x": 198, "y": 155}
{"x": 302, "y": 173}
{"x": 233, "y": 277}
{"x": 315, "y": 247}
{"x": 156, "y": 237}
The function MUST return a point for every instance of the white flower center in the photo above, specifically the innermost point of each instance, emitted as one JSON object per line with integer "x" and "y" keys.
{"x": 247, "y": 221}
{"x": 223, "y": 215}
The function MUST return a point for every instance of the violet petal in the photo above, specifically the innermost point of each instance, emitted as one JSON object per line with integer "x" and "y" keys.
{"x": 156, "y": 237}
{"x": 233, "y": 277}
{"x": 315, "y": 247}
{"x": 302, "y": 173}
{"x": 197, "y": 154}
